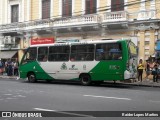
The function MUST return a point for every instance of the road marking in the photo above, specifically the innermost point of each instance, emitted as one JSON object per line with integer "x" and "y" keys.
{"x": 10, "y": 98}
{"x": 107, "y": 97}
{"x": 7, "y": 94}
{"x": 41, "y": 109}
{"x": 19, "y": 96}
{"x": 61, "y": 112}
{"x": 155, "y": 101}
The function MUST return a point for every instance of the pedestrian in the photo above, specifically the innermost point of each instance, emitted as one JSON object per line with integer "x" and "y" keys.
{"x": 6, "y": 67}
{"x": 9, "y": 68}
{"x": 140, "y": 68}
{"x": 148, "y": 70}
{"x": 155, "y": 72}
{"x": 1, "y": 67}
{"x": 15, "y": 66}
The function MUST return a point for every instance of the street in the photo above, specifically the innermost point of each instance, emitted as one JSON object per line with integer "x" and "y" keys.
{"x": 19, "y": 95}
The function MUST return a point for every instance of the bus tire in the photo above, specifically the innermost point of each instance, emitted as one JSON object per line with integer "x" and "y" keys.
{"x": 85, "y": 79}
{"x": 31, "y": 77}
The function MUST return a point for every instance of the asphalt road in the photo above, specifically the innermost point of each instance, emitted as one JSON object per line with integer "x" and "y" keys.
{"x": 65, "y": 98}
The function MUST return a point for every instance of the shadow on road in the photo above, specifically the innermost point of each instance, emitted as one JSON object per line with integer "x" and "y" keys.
{"x": 76, "y": 83}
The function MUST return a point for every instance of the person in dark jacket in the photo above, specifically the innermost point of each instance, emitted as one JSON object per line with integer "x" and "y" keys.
{"x": 9, "y": 67}
{"x": 1, "y": 67}
{"x": 155, "y": 73}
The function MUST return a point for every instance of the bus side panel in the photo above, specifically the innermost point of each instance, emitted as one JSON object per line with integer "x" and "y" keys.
{"x": 35, "y": 68}
{"x": 111, "y": 69}
{"x": 108, "y": 70}
{"x": 69, "y": 70}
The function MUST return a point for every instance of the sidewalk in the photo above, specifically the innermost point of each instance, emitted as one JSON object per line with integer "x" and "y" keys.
{"x": 145, "y": 83}
{"x": 9, "y": 77}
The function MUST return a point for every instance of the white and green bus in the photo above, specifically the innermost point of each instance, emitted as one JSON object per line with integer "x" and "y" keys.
{"x": 87, "y": 62}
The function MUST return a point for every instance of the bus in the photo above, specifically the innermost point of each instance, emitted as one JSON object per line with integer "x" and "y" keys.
{"x": 93, "y": 61}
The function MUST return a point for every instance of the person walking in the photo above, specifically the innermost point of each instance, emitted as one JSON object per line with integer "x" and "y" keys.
{"x": 1, "y": 67}
{"x": 9, "y": 69}
{"x": 140, "y": 68}
{"x": 155, "y": 73}
{"x": 15, "y": 66}
{"x": 148, "y": 70}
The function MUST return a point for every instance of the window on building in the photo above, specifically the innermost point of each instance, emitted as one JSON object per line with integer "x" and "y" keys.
{"x": 117, "y": 5}
{"x": 66, "y": 8}
{"x": 108, "y": 51}
{"x": 46, "y": 9}
{"x": 14, "y": 13}
{"x": 82, "y": 53}
{"x": 59, "y": 53}
{"x": 43, "y": 54}
{"x": 91, "y": 6}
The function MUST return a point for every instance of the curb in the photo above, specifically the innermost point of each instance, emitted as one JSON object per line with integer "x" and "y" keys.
{"x": 136, "y": 84}
{"x": 144, "y": 85}
{"x": 9, "y": 77}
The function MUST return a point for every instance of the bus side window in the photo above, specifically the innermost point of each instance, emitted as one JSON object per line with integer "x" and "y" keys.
{"x": 59, "y": 53}
{"x": 89, "y": 57}
{"x": 45, "y": 58}
{"x": 43, "y": 54}
{"x": 82, "y": 53}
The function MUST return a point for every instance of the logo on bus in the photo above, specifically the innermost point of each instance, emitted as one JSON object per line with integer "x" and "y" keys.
{"x": 64, "y": 66}
{"x": 73, "y": 68}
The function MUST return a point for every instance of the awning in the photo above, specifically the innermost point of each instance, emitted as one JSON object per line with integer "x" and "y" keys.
{"x": 7, "y": 54}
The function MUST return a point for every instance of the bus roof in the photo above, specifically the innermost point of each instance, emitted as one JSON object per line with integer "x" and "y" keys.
{"x": 81, "y": 42}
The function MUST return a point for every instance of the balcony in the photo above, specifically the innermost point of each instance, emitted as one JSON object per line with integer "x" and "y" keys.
{"x": 76, "y": 21}
{"x": 13, "y": 47}
{"x": 146, "y": 53}
{"x": 146, "y": 14}
{"x": 115, "y": 16}
{"x": 26, "y": 26}
{"x": 90, "y": 21}
{"x": 147, "y": 47}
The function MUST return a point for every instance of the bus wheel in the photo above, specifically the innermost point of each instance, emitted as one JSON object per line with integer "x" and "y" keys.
{"x": 85, "y": 79}
{"x": 31, "y": 77}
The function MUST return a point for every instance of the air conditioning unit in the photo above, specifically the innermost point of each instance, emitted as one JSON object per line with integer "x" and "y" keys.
{"x": 9, "y": 40}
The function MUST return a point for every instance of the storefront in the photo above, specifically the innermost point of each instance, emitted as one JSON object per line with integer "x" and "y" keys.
{"x": 5, "y": 55}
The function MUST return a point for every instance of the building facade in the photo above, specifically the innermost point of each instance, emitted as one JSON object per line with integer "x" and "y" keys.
{"x": 24, "y": 20}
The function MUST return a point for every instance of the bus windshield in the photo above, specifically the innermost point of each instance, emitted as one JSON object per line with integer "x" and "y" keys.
{"x": 30, "y": 55}
{"x": 132, "y": 49}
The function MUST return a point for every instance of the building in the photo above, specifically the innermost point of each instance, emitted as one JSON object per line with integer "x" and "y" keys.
{"x": 24, "y": 20}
